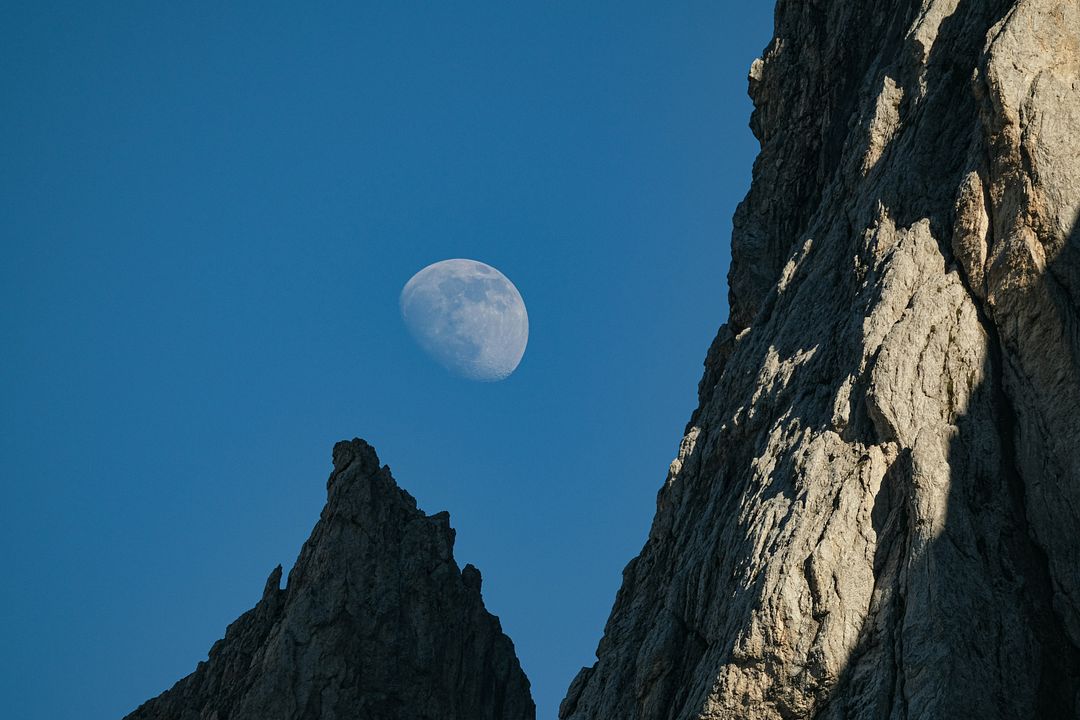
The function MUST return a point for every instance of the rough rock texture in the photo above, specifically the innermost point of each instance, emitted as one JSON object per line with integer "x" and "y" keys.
{"x": 376, "y": 623}
{"x": 875, "y": 510}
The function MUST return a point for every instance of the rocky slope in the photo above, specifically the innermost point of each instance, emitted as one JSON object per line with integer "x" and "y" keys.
{"x": 874, "y": 512}
{"x": 376, "y": 622}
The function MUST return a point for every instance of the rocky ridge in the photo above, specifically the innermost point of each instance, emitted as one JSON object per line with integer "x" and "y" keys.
{"x": 873, "y": 511}
{"x": 376, "y": 622}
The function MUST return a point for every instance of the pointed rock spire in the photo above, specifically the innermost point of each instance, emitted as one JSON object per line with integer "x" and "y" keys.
{"x": 376, "y": 622}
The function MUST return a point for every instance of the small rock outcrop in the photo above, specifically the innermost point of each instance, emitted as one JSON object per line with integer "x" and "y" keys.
{"x": 875, "y": 510}
{"x": 376, "y": 622}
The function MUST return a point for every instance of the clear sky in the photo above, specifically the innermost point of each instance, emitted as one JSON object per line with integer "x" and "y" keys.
{"x": 207, "y": 212}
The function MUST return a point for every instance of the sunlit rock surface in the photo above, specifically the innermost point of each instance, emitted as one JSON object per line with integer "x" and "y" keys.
{"x": 875, "y": 511}
{"x": 376, "y": 622}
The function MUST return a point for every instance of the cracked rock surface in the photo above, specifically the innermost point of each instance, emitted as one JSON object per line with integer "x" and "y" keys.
{"x": 376, "y": 622}
{"x": 875, "y": 510}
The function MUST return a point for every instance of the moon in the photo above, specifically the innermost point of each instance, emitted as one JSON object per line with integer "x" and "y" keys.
{"x": 468, "y": 316}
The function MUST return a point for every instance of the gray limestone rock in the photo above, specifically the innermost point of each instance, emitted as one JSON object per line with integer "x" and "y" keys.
{"x": 376, "y": 622}
{"x": 875, "y": 510}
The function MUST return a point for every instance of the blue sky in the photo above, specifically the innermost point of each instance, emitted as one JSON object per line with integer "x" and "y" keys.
{"x": 207, "y": 212}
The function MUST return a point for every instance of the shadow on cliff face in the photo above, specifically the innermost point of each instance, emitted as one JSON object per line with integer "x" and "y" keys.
{"x": 1054, "y": 658}
{"x": 969, "y": 616}
{"x": 963, "y": 615}
{"x": 935, "y": 157}
{"x": 816, "y": 107}
{"x": 1066, "y": 268}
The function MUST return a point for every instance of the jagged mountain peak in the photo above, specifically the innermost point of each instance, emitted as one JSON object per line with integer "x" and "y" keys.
{"x": 375, "y": 621}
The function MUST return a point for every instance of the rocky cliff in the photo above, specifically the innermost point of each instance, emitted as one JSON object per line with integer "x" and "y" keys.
{"x": 376, "y": 622}
{"x": 875, "y": 510}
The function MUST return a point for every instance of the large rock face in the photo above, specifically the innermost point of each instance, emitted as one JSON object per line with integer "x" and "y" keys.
{"x": 376, "y": 623}
{"x": 875, "y": 510}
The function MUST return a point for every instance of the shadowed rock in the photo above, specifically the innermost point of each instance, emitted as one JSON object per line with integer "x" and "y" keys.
{"x": 376, "y": 622}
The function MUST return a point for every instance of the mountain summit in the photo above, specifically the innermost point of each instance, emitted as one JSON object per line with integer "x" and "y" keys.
{"x": 376, "y": 622}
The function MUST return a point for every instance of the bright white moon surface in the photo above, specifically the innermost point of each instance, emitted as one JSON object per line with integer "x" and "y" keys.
{"x": 468, "y": 316}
